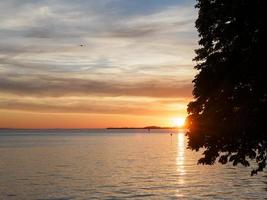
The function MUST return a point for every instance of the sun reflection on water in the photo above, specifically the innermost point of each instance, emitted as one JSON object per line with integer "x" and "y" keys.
{"x": 180, "y": 156}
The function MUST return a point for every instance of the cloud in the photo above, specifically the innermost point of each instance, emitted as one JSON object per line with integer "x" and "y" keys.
{"x": 68, "y": 22}
{"x": 131, "y": 49}
{"x": 97, "y": 106}
{"x": 41, "y": 85}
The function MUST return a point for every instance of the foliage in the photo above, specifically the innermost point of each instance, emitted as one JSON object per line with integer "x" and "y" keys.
{"x": 228, "y": 114}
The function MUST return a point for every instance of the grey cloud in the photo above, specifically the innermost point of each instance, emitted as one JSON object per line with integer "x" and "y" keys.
{"x": 43, "y": 85}
{"x": 37, "y": 50}
{"x": 88, "y": 19}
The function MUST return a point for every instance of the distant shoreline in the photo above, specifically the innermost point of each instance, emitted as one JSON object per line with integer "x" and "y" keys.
{"x": 147, "y": 127}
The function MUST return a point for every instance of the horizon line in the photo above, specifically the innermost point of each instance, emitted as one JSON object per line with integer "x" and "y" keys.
{"x": 107, "y": 128}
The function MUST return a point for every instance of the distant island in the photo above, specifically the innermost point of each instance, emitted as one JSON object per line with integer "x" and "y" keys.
{"x": 147, "y": 127}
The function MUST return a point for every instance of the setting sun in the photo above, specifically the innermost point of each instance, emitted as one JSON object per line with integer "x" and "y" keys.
{"x": 178, "y": 122}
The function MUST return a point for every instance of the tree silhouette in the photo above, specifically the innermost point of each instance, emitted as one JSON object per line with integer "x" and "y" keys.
{"x": 228, "y": 114}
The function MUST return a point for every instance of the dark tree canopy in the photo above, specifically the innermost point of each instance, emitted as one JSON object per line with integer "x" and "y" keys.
{"x": 228, "y": 115}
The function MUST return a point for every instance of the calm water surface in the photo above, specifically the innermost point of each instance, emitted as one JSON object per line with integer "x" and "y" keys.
{"x": 122, "y": 164}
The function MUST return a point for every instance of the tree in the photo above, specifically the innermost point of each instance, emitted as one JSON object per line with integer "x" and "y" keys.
{"x": 228, "y": 114}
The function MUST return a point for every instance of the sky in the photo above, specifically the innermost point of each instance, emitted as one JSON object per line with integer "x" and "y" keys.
{"x": 95, "y": 64}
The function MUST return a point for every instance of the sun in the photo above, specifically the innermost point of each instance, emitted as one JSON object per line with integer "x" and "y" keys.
{"x": 178, "y": 122}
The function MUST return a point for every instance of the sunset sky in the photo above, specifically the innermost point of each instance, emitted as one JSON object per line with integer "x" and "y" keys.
{"x": 88, "y": 63}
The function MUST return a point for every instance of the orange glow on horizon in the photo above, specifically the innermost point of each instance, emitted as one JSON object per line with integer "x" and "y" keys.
{"x": 18, "y": 119}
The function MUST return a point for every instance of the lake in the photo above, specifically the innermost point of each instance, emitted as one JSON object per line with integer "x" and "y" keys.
{"x": 115, "y": 164}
